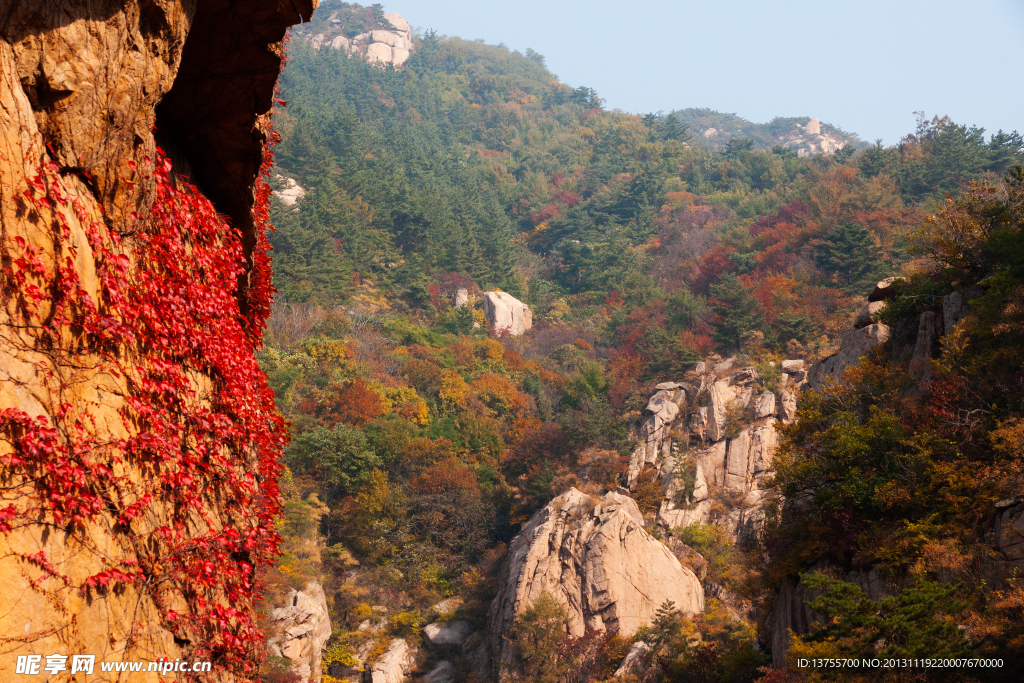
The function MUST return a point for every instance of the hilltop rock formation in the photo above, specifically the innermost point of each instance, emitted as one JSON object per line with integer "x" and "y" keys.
{"x": 299, "y": 631}
{"x": 85, "y": 565}
{"x": 507, "y": 314}
{"x": 594, "y": 557}
{"x": 391, "y": 46}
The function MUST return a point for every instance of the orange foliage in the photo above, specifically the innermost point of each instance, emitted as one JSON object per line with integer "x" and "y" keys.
{"x": 447, "y": 476}
{"x": 463, "y": 350}
{"x": 353, "y": 402}
{"x": 423, "y": 452}
{"x": 514, "y": 361}
{"x": 500, "y": 395}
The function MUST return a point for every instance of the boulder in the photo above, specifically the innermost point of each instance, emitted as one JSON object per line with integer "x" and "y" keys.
{"x": 507, "y": 314}
{"x": 813, "y": 127}
{"x": 444, "y": 672}
{"x": 605, "y": 569}
{"x": 885, "y": 289}
{"x": 725, "y": 365}
{"x": 710, "y": 132}
{"x": 867, "y": 314}
{"x": 635, "y": 658}
{"x": 853, "y": 346}
{"x": 793, "y": 367}
{"x": 461, "y": 298}
{"x": 341, "y": 43}
{"x": 300, "y": 630}
{"x": 451, "y": 634}
{"x": 764, "y": 441}
{"x": 700, "y": 486}
{"x": 395, "y": 664}
{"x": 447, "y": 606}
{"x": 737, "y": 462}
{"x": 712, "y": 462}
{"x": 400, "y": 23}
{"x": 613, "y": 500}
{"x": 388, "y": 38}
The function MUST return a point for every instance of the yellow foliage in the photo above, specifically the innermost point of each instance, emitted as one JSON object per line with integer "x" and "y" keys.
{"x": 330, "y": 351}
{"x": 491, "y": 349}
{"x": 454, "y": 389}
{"x": 479, "y": 318}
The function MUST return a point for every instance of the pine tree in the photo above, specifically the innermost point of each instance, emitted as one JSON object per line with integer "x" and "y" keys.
{"x": 850, "y": 258}
{"x": 737, "y": 311}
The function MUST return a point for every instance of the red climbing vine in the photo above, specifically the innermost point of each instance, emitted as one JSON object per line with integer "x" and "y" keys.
{"x": 187, "y": 492}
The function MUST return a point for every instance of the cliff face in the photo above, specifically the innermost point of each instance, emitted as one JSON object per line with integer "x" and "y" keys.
{"x": 137, "y": 438}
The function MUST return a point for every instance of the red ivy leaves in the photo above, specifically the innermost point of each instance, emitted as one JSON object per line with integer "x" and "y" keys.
{"x": 204, "y": 455}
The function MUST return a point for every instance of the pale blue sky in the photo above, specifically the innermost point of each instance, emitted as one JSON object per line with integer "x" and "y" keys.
{"x": 863, "y": 66}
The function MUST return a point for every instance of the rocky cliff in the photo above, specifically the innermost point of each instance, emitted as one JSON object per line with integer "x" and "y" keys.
{"x": 138, "y": 439}
{"x": 711, "y": 438}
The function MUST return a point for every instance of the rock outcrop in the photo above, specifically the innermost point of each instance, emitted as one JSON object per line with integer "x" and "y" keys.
{"x": 84, "y": 85}
{"x": 299, "y": 631}
{"x": 444, "y": 672}
{"x": 718, "y": 427}
{"x": 595, "y": 558}
{"x": 507, "y": 314}
{"x": 813, "y": 141}
{"x": 381, "y": 46}
{"x": 853, "y": 346}
{"x": 290, "y": 193}
{"x": 791, "y": 613}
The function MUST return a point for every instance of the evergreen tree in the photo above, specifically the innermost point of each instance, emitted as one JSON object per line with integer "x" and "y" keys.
{"x": 850, "y": 258}
{"x": 736, "y": 310}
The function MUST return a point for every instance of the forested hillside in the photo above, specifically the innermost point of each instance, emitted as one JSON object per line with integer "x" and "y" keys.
{"x": 422, "y": 442}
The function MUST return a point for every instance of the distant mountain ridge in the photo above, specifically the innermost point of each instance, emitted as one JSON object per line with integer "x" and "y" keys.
{"x": 804, "y": 135}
